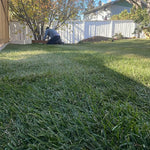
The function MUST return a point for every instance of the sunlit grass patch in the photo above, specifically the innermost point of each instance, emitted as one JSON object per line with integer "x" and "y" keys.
{"x": 21, "y": 55}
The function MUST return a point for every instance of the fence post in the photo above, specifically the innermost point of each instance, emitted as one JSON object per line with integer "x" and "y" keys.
{"x": 111, "y": 28}
{"x": 73, "y": 33}
{"x": 83, "y": 29}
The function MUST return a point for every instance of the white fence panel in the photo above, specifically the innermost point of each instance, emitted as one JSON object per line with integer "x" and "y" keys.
{"x": 76, "y": 31}
{"x": 126, "y": 28}
{"x": 73, "y": 32}
{"x": 20, "y": 33}
{"x": 105, "y": 29}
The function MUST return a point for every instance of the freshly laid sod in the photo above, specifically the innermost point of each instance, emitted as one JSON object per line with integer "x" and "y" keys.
{"x": 75, "y": 97}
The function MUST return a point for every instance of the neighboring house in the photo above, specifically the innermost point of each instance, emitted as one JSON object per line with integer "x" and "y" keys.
{"x": 4, "y": 23}
{"x": 107, "y": 10}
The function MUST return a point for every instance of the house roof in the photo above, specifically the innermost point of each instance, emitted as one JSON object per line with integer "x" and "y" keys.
{"x": 104, "y": 6}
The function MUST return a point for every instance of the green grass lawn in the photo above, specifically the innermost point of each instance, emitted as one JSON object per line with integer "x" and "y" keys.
{"x": 75, "y": 97}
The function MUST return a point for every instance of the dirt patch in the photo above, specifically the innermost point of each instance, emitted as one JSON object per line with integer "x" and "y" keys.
{"x": 95, "y": 39}
{"x": 102, "y": 38}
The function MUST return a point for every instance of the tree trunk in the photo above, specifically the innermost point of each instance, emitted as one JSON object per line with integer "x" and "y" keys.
{"x": 42, "y": 30}
{"x": 34, "y": 34}
{"x": 39, "y": 32}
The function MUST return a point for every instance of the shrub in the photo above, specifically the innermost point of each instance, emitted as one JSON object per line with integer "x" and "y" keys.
{"x": 118, "y": 36}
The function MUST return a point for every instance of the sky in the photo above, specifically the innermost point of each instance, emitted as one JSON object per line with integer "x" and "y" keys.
{"x": 105, "y": 1}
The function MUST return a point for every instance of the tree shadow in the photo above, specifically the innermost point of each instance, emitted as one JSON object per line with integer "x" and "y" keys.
{"x": 114, "y": 85}
{"x": 88, "y": 69}
{"x": 62, "y": 83}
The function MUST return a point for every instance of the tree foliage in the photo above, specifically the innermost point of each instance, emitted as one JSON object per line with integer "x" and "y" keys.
{"x": 139, "y": 16}
{"x": 90, "y": 4}
{"x": 124, "y": 15}
{"x": 140, "y": 13}
{"x": 37, "y": 13}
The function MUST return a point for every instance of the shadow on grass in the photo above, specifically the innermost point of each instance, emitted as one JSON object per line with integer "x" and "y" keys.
{"x": 117, "y": 85}
{"x": 82, "y": 104}
{"x": 112, "y": 85}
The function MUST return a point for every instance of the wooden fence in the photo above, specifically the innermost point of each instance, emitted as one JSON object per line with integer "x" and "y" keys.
{"x": 76, "y": 30}
{"x": 4, "y": 23}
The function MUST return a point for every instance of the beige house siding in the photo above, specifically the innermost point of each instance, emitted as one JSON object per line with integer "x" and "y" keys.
{"x": 107, "y": 10}
{"x": 4, "y": 23}
{"x": 106, "y": 13}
